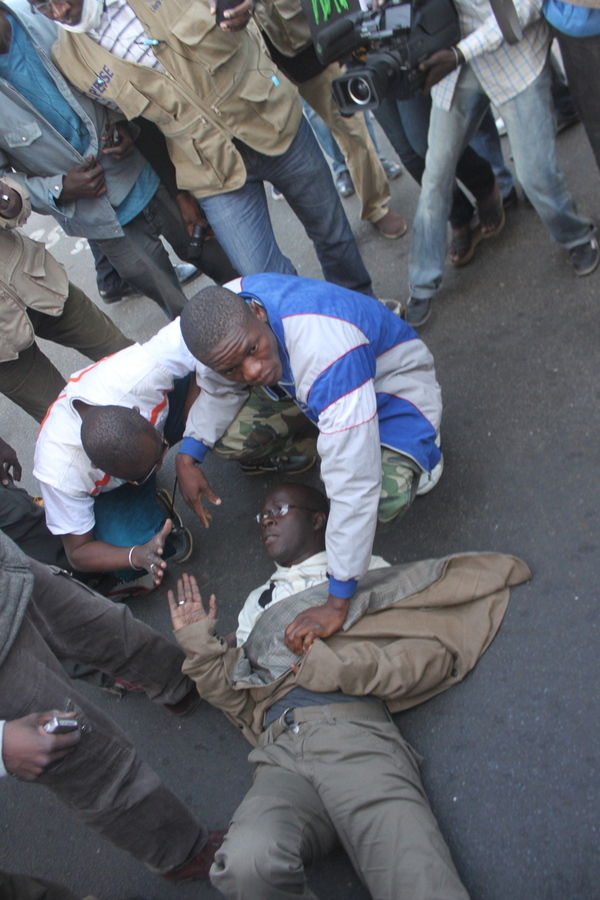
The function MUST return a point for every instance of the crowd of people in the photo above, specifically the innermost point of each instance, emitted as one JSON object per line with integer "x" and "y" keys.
{"x": 129, "y": 122}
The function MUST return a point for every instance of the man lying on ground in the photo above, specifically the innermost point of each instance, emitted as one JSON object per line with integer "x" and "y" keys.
{"x": 330, "y": 764}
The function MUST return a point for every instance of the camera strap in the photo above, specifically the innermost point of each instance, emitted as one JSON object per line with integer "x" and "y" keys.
{"x": 508, "y": 20}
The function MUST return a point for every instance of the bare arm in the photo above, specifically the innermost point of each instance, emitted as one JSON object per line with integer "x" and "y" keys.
{"x": 88, "y": 555}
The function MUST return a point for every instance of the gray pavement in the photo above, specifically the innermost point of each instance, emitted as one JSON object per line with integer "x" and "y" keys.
{"x": 511, "y": 755}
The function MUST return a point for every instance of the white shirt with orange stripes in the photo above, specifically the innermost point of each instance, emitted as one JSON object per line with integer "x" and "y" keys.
{"x": 141, "y": 375}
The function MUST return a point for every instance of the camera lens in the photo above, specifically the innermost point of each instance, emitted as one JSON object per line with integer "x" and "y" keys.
{"x": 359, "y": 90}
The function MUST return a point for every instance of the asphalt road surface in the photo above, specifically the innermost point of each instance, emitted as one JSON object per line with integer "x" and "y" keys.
{"x": 510, "y": 755}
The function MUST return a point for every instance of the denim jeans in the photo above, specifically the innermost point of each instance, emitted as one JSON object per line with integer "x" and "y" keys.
{"x": 486, "y": 142}
{"x": 406, "y": 124}
{"x": 103, "y": 782}
{"x": 241, "y": 222}
{"x": 530, "y": 125}
{"x": 328, "y": 143}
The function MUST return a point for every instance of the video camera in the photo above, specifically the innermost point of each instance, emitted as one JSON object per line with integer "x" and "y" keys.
{"x": 385, "y": 47}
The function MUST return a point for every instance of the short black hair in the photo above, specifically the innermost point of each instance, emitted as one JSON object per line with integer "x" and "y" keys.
{"x": 209, "y": 317}
{"x": 110, "y": 436}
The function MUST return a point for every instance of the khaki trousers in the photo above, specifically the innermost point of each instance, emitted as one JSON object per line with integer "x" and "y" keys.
{"x": 32, "y": 381}
{"x": 353, "y": 781}
{"x": 355, "y": 142}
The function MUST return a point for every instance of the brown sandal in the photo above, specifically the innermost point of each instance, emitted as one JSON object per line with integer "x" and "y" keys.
{"x": 463, "y": 243}
{"x": 491, "y": 214}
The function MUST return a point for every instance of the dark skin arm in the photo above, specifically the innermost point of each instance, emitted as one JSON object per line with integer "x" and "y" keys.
{"x": 87, "y": 555}
{"x": 438, "y": 65}
{"x": 85, "y": 181}
{"x": 194, "y": 485}
{"x": 119, "y": 142}
{"x": 316, "y": 622}
{"x": 9, "y": 460}
{"x": 234, "y": 19}
{"x": 26, "y": 748}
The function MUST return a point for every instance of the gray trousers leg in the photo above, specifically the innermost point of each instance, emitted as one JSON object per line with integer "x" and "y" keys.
{"x": 103, "y": 781}
{"x": 356, "y": 780}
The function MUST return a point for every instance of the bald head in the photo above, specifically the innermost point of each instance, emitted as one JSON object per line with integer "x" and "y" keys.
{"x": 119, "y": 441}
{"x": 210, "y": 317}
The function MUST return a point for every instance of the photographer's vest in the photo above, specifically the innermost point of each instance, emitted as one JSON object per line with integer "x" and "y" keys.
{"x": 219, "y": 86}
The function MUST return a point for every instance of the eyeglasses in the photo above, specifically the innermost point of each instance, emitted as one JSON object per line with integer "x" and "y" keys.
{"x": 279, "y": 511}
{"x": 42, "y": 6}
{"x": 140, "y": 481}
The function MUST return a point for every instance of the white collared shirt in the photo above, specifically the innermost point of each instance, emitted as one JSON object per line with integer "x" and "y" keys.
{"x": 122, "y": 34}
{"x": 288, "y": 580}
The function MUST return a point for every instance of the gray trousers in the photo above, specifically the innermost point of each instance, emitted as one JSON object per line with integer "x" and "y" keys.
{"x": 103, "y": 781}
{"x": 141, "y": 260}
{"x": 353, "y": 781}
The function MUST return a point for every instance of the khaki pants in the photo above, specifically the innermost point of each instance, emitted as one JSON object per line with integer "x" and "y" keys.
{"x": 353, "y": 781}
{"x": 32, "y": 381}
{"x": 355, "y": 142}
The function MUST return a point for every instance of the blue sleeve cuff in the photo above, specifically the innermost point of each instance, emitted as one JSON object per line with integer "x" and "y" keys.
{"x": 342, "y": 589}
{"x": 191, "y": 447}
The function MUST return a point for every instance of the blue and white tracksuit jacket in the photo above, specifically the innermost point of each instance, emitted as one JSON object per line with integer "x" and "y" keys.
{"x": 365, "y": 378}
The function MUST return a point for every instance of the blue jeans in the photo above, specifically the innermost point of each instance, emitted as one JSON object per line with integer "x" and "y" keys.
{"x": 530, "y": 125}
{"x": 486, "y": 142}
{"x": 241, "y": 222}
{"x": 328, "y": 143}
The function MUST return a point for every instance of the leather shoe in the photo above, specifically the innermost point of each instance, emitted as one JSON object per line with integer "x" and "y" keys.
{"x": 186, "y": 272}
{"x": 116, "y": 296}
{"x": 344, "y": 184}
{"x": 186, "y": 706}
{"x": 199, "y": 866}
{"x": 416, "y": 312}
{"x": 391, "y": 226}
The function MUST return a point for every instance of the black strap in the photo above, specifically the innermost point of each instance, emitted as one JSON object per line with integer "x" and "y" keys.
{"x": 267, "y": 595}
{"x": 508, "y": 20}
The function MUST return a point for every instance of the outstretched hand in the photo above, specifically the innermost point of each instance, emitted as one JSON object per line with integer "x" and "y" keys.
{"x": 316, "y": 622}
{"x": 148, "y": 556}
{"x": 194, "y": 485}
{"x": 188, "y": 607}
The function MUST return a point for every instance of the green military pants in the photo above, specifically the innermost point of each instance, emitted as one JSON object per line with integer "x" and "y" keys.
{"x": 269, "y": 429}
{"x": 353, "y": 781}
{"x": 32, "y": 381}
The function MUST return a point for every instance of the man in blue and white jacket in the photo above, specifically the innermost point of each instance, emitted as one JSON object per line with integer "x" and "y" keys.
{"x": 358, "y": 372}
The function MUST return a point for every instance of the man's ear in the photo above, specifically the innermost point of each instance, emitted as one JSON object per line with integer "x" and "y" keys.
{"x": 258, "y": 311}
{"x": 319, "y": 521}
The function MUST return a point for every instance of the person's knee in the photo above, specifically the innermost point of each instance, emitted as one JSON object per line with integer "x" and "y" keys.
{"x": 253, "y": 862}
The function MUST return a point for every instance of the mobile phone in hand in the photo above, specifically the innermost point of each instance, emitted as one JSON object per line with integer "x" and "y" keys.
{"x": 60, "y": 725}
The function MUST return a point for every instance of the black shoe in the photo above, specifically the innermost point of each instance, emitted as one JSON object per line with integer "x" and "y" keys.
{"x": 116, "y": 296}
{"x": 284, "y": 465}
{"x": 186, "y": 272}
{"x": 416, "y": 312}
{"x": 585, "y": 257}
{"x": 343, "y": 183}
{"x": 511, "y": 199}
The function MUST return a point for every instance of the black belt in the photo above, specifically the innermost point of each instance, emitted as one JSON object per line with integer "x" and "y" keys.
{"x": 292, "y": 718}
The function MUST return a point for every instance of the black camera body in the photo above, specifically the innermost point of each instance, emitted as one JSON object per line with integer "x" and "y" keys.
{"x": 394, "y": 40}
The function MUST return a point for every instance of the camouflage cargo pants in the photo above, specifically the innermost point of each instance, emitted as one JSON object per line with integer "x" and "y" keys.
{"x": 279, "y": 430}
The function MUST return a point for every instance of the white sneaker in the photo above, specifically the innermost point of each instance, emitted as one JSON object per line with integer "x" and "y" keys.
{"x": 428, "y": 480}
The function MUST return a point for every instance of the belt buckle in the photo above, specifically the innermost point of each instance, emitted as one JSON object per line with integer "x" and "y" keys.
{"x": 288, "y": 726}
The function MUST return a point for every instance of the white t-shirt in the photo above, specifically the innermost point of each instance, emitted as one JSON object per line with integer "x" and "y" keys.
{"x": 141, "y": 375}
{"x": 287, "y": 581}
